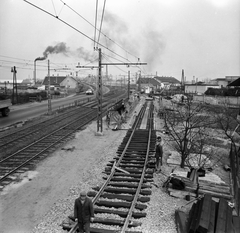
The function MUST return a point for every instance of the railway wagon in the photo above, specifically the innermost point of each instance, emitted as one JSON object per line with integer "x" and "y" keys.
{"x": 4, "y": 107}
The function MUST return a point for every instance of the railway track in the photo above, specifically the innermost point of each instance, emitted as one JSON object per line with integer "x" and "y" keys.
{"x": 38, "y": 140}
{"x": 120, "y": 203}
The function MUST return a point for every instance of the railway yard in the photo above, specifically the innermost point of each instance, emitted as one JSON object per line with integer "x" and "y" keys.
{"x": 116, "y": 169}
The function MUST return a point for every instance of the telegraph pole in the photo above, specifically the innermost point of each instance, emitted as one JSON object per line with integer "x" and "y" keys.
{"x": 49, "y": 94}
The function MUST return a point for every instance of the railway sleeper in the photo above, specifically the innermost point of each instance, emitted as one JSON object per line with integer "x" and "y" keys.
{"x": 101, "y": 230}
{"x": 129, "y": 179}
{"x": 120, "y": 213}
{"x": 124, "y": 190}
{"x": 129, "y": 158}
{"x": 136, "y": 152}
{"x": 137, "y": 148}
{"x": 124, "y": 164}
{"x": 124, "y": 197}
{"x": 132, "y": 170}
{"x": 128, "y": 185}
{"x": 116, "y": 174}
{"x": 120, "y": 204}
{"x": 117, "y": 222}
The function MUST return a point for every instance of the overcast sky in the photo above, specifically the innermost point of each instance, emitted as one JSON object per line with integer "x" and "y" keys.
{"x": 200, "y": 36}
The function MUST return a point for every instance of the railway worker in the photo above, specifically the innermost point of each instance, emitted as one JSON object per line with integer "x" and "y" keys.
{"x": 83, "y": 212}
{"x": 158, "y": 154}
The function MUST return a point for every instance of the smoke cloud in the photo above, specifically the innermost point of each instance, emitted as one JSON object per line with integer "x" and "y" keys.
{"x": 117, "y": 30}
{"x": 58, "y": 48}
{"x": 62, "y": 48}
{"x": 86, "y": 54}
{"x": 148, "y": 44}
{"x": 154, "y": 47}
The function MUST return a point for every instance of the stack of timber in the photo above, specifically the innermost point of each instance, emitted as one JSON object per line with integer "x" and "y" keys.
{"x": 208, "y": 216}
{"x": 195, "y": 187}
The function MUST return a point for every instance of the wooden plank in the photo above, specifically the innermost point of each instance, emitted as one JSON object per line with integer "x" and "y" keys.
{"x": 215, "y": 194}
{"x": 236, "y": 223}
{"x": 181, "y": 221}
{"x": 195, "y": 217}
{"x": 221, "y": 216}
{"x": 229, "y": 221}
{"x": 205, "y": 214}
{"x": 180, "y": 193}
{"x": 191, "y": 216}
{"x": 214, "y": 189}
{"x": 211, "y": 227}
{"x": 208, "y": 182}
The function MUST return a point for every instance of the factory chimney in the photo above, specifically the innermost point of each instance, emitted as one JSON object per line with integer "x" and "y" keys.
{"x": 35, "y": 74}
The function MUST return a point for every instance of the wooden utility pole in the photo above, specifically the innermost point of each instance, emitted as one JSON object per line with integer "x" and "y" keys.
{"x": 99, "y": 95}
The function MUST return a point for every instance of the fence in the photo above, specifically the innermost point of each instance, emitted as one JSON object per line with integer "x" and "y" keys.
{"x": 234, "y": 163}
{"x": 230, "y": 101}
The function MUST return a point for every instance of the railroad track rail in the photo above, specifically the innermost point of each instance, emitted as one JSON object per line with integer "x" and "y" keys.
{"x": 57, "y": 131}
{"x": 121, "y": 202}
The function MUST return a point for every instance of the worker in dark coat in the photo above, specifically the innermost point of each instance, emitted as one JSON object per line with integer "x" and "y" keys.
{"x": 158, "y": 153}
{"x": 83, "y": 212}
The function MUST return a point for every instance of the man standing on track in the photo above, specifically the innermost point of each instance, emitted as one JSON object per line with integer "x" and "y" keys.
{"x": 158, "y": 153}
{"x": 83, "y": 212}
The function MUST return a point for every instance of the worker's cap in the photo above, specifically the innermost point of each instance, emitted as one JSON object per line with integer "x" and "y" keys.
{"x": 83, "y": 194}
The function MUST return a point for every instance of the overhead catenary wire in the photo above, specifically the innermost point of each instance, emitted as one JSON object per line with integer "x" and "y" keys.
{"x": 104, "y": 55}
{"x": 98, "y": 30}
{"x": 101, "y": 22}
{"x": 95, "y": 27}
{"x": 73, "y": 28}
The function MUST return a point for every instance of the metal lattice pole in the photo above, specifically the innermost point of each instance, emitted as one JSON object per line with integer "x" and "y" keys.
{"x": 99, "y": 95}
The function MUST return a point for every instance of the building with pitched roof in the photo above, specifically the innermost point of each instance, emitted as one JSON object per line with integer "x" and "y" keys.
{"x": 68, "y": 82}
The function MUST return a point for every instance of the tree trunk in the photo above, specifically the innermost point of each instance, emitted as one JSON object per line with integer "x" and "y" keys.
{"x": 182, "y": 161}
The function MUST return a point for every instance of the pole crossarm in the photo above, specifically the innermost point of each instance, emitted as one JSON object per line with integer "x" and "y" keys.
{"x": 91, "y": 67}
{"x": 124, "y": 64}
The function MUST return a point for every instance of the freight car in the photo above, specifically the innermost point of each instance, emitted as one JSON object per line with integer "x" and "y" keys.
{"x": 4, "y": 107}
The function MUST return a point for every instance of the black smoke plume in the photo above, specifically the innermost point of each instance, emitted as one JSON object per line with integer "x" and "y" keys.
{"x": 58, "y": 48}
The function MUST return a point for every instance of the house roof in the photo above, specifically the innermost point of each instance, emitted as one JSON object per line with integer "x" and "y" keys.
{"x": 149, "y": 81}
{"x": 165, "y": 79}
{"x": 219, "y": 79}
{"x": 54, "y": 80}
{"x": 235, "y": 83}
{"x": 202, "y": 84}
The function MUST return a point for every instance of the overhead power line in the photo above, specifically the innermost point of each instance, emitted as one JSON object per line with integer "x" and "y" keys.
{"x": 98, "y": 30}
{"x": 95, "y": 24}
{"x": 73, "y": 28}
{"x": 101, "y": 22}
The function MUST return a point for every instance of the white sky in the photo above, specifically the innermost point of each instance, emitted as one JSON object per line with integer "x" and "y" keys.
{"x": 200, "y": 36}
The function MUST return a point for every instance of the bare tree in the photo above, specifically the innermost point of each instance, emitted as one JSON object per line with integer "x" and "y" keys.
{"x": 227, "y": 120}
{"x": 187, "y": 125}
